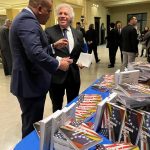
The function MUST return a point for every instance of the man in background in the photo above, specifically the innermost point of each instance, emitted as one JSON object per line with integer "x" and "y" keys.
{"x": 129, "y": 41}
{"x": 68, "y": 81}
{"x": 119, "y": 30}
{"x": 78, "y": 27}
{"x": 32, "y": 63}
{"x": 5, "y": 47}
{"x": 92, "y": 41}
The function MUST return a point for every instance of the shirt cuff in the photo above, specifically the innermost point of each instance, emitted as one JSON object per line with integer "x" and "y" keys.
{"x": 59, "y": 59}
{"x": 53, "y": 50}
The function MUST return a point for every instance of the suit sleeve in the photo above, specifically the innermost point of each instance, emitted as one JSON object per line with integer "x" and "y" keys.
{"x": 134, "y": 40}
{"x": 35, "y": 51}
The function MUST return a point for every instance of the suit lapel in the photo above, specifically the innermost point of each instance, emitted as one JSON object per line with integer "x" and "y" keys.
{"x": 75, "y": 38}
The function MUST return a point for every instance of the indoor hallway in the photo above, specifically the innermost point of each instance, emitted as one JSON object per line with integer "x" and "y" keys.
{"x": 10, "y": 121}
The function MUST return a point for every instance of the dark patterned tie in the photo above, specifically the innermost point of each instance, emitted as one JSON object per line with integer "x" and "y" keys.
{"x": 66, "y": 37}
{"x": 65, "y": 33}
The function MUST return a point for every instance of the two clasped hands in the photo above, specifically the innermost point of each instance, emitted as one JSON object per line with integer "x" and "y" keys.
{"x": 65, "y": 61}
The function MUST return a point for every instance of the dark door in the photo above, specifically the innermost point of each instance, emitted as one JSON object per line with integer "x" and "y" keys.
{"x": 97, "y": 28}
{"x": 108, "y": 23}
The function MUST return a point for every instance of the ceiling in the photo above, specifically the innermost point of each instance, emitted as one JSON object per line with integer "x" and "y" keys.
{"x": 4, "y": 4}
{"x": 114, "y": 3}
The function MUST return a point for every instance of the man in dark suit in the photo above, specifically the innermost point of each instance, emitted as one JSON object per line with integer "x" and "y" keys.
{"x": 91, "y": 39}
{"x": 80, "y": 28}
{"x": 32, "y": 63}
{"x": 129, "y": 42}
{"x": 119, "y": 29}
{"x": 5, "y": 48}
{"x": 112, "y": 44}
{"x": 70, "y": 80}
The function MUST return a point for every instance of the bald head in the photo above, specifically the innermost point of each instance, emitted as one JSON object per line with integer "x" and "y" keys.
{"x": 36, "y": 3}
{"x": 41, "y": 9}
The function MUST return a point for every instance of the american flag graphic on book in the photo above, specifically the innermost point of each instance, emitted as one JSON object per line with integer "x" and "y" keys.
{"x": 145, "y": 133}
{"x": 113, "y": 121}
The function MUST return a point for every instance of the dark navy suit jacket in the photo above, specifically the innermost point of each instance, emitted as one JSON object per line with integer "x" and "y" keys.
{"x": 32, "y": 63}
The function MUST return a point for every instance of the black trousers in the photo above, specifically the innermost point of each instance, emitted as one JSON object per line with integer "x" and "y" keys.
{"x": 7, "y": 62}
{"x": 94, "y": 51}
{"x": 32, "y": 111}
{"x": 57, "y": 92}
{"x": 112, "y": 55}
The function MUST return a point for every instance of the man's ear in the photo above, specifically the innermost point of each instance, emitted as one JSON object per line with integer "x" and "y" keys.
{"x": 39, "y": 9}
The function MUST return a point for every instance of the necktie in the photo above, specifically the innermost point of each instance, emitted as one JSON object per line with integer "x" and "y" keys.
{"x": 65, "y": 33}
{"x": 66, "y": 37}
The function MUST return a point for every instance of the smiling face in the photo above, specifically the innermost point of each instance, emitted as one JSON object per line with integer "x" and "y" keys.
{"x": 64, "y": 18}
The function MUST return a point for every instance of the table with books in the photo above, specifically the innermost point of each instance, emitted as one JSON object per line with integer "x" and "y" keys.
{"x": 103, "y": 117}
{"x": 32, "y": 142}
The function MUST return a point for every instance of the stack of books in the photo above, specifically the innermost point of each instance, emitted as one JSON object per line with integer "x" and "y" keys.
{"x": 86, "y": 106}
{"x": 112, "y": 122}
{"x": 126, "y": 76}
{"x": 145, "y": 132}
{"x": 117, "y": 146}
{"x": 143, "y": 67}
{"x": 133, "y": 95}
{"x": 81, "y": 137}
{"x": 105, "y": 83}
{"x": 132, "y": 126}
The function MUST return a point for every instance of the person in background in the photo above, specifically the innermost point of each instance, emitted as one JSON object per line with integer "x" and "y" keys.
{"x": 119, "y": 29}
{"x": 146, "y": 29}
{"x": 112, "y": 44}
{"x": 5, "y": 47}
{"x": 91, "y": 39}
{"x": 103, "y": 29}
{"x": 129, "y": 42}
{"x": 69, "y": 81}
{"x": 78, "y": 27}
{"x": 32, "y": 63}
{"x": 147, "y": 39}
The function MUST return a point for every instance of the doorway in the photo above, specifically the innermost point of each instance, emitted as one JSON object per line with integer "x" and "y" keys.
{"x": 97, "y": 28}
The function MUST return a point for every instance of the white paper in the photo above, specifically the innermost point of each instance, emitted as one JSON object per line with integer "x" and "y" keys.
{"x": 85, "y": 59}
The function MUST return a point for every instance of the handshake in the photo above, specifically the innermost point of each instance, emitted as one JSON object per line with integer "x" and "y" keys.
{"x": 64, "y": 63}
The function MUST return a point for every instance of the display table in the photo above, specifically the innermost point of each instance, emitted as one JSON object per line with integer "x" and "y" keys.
{"x": 32, "y": 142}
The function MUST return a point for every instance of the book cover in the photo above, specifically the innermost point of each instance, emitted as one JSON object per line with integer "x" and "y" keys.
{"x": 113, "y": 121}
{"x": 100, "y": 110}
{"x": 117, "y": 146}
{"x": 69, "y": 112}
{"x": 45, "y": 131}
{"x": 57, "y": 121}
{"x": 86, "y": 107}
{"x": 145, "y": 133}
{"x": 81, "y": 137}
{"x": 36, "y": 126}
{"x": 134, "y": 90}
{"x": 105, "y": 83}
{"x": 129, "y": 76}
{"x": 132, "y": 128}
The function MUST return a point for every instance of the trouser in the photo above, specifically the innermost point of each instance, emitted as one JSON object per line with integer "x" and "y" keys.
{"x": 94, "y": 51}
{"x": 128, "y": 57}
{"x": 112, "y": 55}
{"x": 57, "y": 92}
{"x": 7, "y": 62}
{"x": 32, "y": 111}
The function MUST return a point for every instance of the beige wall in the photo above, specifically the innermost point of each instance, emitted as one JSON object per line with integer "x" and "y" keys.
{"x": 11, "y": 13}
{"x": 92, "y": 12}
{"x": 120, "y": 13}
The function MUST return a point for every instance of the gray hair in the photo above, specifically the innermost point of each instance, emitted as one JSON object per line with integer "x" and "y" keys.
{"x": 69, "y": 7}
